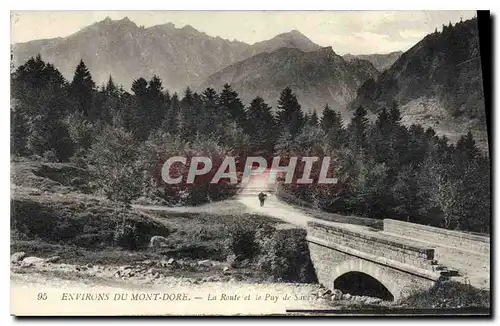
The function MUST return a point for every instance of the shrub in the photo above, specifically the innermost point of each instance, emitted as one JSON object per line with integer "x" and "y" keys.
{"x": 126, "y": 237}
{"x": 449, "y": 294}
{"x": 115, "y": 156}
{"x": 285, "y": 256}
{"x": 241, "y": 242}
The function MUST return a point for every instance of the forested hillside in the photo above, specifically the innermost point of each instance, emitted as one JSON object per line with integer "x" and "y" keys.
{"x": 436, "y": 83}
{"x": 385, "y": 169}
{"x": 317, "y": 77}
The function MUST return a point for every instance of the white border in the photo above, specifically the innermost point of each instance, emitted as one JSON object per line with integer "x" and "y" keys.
{"x": 202, "y": 5}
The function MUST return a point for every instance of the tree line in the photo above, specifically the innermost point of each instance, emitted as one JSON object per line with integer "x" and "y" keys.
{"x": 385, "y": 169}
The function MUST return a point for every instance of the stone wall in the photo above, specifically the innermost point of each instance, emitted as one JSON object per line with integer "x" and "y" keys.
{"x": 374, "y": 244}
{"x": 466, "y": 241}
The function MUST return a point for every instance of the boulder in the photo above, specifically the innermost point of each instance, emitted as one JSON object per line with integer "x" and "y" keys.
{"x": 336, "y": 294}
{"x": 371, "y": 300}
{"x": 17, "y": 257}
{"x": 347, "y": 296}
{"x": 158, "y": 241}
{"x": 53, "y": 259}
{"x": 33, "y": 260}
{"x": 326, "y": 293}
{"x": 205, "y": 262}
{"x": 358, "y": 298}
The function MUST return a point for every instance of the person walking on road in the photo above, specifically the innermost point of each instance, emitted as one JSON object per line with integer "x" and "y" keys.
{"x": 262, "y": 198}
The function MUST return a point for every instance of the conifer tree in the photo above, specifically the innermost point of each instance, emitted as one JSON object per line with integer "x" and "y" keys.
{"x": 214, "y": 117}
{"x": 186, "y": 117}
{"x": 357, "y": 128}
{"x": 82, "y": 89}
{"x": 231, "y": 102}
{"x": 333, "y": 127}
{"x": 261, "y": 127}
{"x": 111, "y": 89}
{"x": 313, "y": 120}
{"x": 289, "y": 113}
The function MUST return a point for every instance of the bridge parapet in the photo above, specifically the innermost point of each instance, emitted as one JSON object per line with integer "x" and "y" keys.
{"x": 380, "y": 245}
{"x": 466, "y": 241}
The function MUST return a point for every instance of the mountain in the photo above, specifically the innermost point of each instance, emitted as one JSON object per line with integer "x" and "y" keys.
{"x": 293, "y": 39}
{"x": 317, "y": 77}
{"x": 179, "y": 56}
{"x": 437, "y": 83}
{"x": 379, "y": 61}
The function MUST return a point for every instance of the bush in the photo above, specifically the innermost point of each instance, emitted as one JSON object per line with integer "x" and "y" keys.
{"x": 285, "y": 256}
{"x": 119, "y": 174}
{"x": 449, "y": 294}
{"x": 242, "y": 243}
{"x": 93, "y": 240}
{"x": 67, "y": 230}
{"x": 126, "y": 237}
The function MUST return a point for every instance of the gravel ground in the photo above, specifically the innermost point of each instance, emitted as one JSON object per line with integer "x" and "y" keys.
{"x": 141, "y": 289}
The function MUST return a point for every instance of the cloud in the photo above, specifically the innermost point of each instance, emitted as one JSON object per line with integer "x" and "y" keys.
{"x": 412, "y": 34}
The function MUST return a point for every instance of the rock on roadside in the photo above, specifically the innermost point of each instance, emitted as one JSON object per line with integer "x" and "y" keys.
{"x": 17, "y": 257}
{"x": 158, "y": 241}
{"x": 30, "y": 261}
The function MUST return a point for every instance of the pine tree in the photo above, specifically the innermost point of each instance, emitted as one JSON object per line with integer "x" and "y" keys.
{"x": 466, "y": 147}
{"x": 82, "y": 89}
{"x": 173, "y": 115}
{"x": 140, "y": 87}
{"x": 289, "y": 113}
{"x": 156, "y": 108}
{"x": 357, "y": 128}
{"x": 111, "y": 89}
{"x": 138, "y": 118}
{"x": 186, "y": 117}
{"x": 333, "y": 126}
{"x": 261, "y": 127}
{"x": 313, "y": 120}
{"x": 327, "y": 118}
{"x": 214, "y": 117}
{"x": 40, "y": 100}
{"x": 19, "y": 132}
{"x": 231, "y": 102}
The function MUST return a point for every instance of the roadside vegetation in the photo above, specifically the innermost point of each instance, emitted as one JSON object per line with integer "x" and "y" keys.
{"x": 384, "y": 168}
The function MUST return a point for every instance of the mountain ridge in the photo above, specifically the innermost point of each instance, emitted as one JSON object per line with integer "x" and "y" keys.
{"x": 317, "y": 77}
{"x": 179, "y": 56}
{"x": 437, "y": 83}
{"x": 380, "y": 61}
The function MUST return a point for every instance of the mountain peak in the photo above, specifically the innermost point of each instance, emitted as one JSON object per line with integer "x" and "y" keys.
{"x": 296, "y": 32}
{"x": 189, "y": 28}
{"x": 327, "y": 51}
{"x": 293, "y": 34}
{"x": 292, "y": 39}
{"x": 109, "y": 21}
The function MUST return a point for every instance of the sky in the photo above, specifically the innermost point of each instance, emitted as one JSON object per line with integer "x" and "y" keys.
{"x": 355, "y": 32}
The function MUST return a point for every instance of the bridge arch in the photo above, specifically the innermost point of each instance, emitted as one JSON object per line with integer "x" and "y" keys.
{"x": 358, "y": 283}
{"x": 376, "y": 281}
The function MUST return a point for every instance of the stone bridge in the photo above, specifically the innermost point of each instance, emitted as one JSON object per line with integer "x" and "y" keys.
{"x": 394, "y": 262}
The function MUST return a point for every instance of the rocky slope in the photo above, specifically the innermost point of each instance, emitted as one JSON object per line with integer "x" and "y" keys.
{"x": 379, "y": 61}
{"x": 317, "y": 77}
{"x": 179, "y": 56}
{"x": 437, "y": 83}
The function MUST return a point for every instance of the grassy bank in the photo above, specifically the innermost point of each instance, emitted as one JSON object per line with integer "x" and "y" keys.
{"x": 449, "y": 294}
